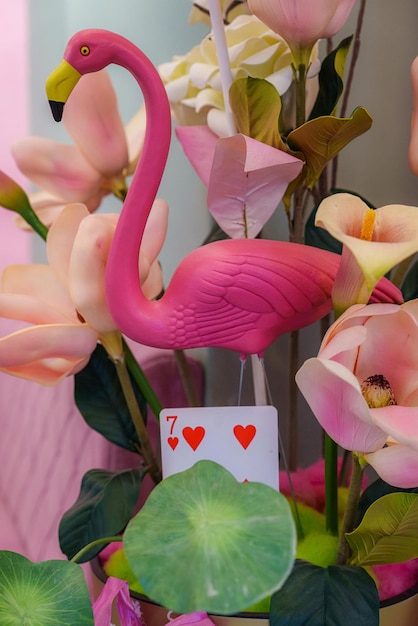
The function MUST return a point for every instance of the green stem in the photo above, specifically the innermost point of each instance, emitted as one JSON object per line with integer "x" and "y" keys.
{"x": 153, "y": 465}
{"x": 331, "y": 485}
{"x": 93, "y": 544}
{"x": 189, "y": 387}
{"x": 350, "y": 510}
{"x": 142, "y": 381}
{"x": 300, "y": 74}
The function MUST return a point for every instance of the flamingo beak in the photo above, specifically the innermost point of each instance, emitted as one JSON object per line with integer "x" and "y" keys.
{"x": 59, "y": 86}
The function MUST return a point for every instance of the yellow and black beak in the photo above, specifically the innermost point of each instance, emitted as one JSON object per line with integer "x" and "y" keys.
{"x": 59, "y": 86}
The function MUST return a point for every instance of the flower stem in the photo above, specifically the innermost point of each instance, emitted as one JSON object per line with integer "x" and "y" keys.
{"x": 142, "y": 381}
{"x": 93, "y": 544}
{"x": 154, "y": 468}
{"x": 350, "y": 510}
{"x": 331, "y": 485}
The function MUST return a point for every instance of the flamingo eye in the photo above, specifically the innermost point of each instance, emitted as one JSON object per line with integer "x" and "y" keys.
{"x": 84, "y": 50}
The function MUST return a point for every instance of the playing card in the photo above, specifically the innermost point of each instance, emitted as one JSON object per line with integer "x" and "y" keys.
{"x": 244, "y": 439}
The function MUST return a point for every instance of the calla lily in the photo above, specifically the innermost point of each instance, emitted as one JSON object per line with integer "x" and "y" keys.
{"x": 103, "y": 155}
{"x": 302, "y": 22}
{"x": 63, "y": 304}
{"x": 363, "y": 389}
{"x": 374, "y": 241}
{"x": 128, "y": 609}
{"x": 413, "y": 144}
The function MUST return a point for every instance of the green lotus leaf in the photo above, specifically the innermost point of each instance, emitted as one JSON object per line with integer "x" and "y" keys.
{"x": 205, "y": 542}
{"x": 321, "y": 139}
{"x": 51, "y": 593}
{"x": 388, "y": 532}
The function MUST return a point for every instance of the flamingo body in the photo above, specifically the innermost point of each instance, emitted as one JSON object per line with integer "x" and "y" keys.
{"x": 237, "y": 294}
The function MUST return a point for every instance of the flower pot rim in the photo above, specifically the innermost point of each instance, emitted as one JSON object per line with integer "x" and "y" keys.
{"x": 99, "y": 572}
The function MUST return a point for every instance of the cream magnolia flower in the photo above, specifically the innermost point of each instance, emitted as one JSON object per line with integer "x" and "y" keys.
{"x": 103, "y": 155}
{"x": 193, "y": 81}
{"x": 374, "y": 241}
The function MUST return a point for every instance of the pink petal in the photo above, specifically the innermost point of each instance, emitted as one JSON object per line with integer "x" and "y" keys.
{"x": 61, "y": 237}
{"x": 154, "y": 234}
{"x": 334, "y": 395}
{"x": 396, "y": 464}
{"x": 399, "y": 422}
{"x": 59, "y": 169}
{"x": 87, "y": 270}
{"x": 102, "y": 607}
{"x": 46, "y": 354}
{"x": 92, "y": 119}
{"x": 198, "y": 143}
{"x": 40, "y": 283}
{"x": 135, "y": 135}
{"x": 247, "y": 182}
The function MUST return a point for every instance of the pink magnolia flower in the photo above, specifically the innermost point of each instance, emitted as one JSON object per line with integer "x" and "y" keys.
{"x": 363, "y": 387}
{"x": 302, "y": 22}
{"x": 62, "y": 305}
{"x": 104, "y": 154}
{"x": 374, "y": 241}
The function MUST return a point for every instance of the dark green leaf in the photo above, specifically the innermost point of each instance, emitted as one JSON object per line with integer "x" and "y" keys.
{"x": 330, "y": 80}
{"x": 335, "y": 596}
{"x": 103, "y": 508}
{"x": 37, "y": 594}
{"x": 409, "y": 286}
{"x": 100, "y": 400}
{"x": 206, "y": 542}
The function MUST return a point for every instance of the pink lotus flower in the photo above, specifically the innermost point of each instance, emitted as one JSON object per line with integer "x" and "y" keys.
{"x": 104, "y": 154}
{"x": 374, "y": 241}
{"x": 363, "y": 387}
{"x": 302, "y": 22}
{"x": 62, "y": 305}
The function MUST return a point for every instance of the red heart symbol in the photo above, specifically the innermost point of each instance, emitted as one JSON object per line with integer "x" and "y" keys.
{"x": 194, "y": 436}
{"x": 172, "y": 442}
{"x": 245, "y": 434}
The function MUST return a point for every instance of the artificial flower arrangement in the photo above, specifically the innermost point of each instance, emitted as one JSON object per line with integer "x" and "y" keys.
{"x": 259, "y": 128}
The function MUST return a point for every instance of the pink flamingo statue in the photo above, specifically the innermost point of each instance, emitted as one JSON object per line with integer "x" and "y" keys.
{"x": 238, "y": 294}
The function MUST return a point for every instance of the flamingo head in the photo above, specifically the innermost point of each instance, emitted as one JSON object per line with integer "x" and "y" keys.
{"x": 87, "y": 51}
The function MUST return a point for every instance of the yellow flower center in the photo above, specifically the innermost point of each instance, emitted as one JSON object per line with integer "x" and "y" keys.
{"x": 377, "y": 391}
{"x": 368, "y": 225}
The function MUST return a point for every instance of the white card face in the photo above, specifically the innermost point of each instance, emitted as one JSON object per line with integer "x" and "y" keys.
{"x": 243, "y": 439}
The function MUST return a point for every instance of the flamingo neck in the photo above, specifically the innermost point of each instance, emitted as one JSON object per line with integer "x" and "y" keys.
{"x": 125, "y": 298}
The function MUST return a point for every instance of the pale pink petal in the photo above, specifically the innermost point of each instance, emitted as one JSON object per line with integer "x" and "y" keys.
{"x": 247, "y": 182}
{"x": 135, "y": 135}
{"x": 61, "y": 237}
{"x": 198, "y": 143}
{"x": 87, "y": 270}
{"x": 47, "y": 353}
{"x": 396, "y": 464}
{"x": 399, "y": 422}
{"x": 154, "y": 233}
{"x": 59, "y": 169}
{"x": 413, "y": 144}
{"x": 31, "y": 310}
{"x": 334, "y": 395}
{"x": 153, "y": 284}
{"x": 40, "y": 283}
{"x": 92, "y": 119}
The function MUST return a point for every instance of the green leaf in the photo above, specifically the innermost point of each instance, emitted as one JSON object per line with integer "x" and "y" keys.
{"x": 374, "y": 491}
{"x": 99, "y": 398}
{"x": 103, "y": 508}
{"x": 38, "y": 594}
{"x": 330, "y": 80}
{"x": 388, "y": 532}
{"x": 335, "y": 596}
{"x": 256, "y": 105}
{"x": 409, "y": 286}
{"x": 205, "y": 542}
{"x": 321, "y": 139}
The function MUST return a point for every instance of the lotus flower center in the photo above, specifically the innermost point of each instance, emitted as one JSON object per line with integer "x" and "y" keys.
{"x": 367, "y": 227}
{"x": 377, "y": 391}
